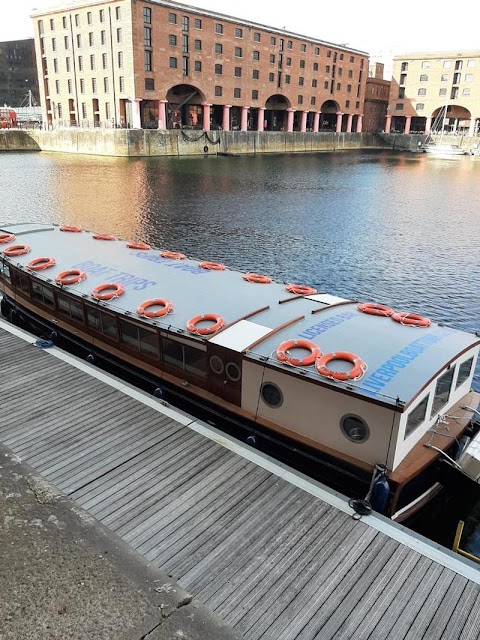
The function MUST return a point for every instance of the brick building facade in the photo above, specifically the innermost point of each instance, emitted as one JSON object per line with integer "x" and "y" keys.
{"x": 18, "y": 72}
{"x": 158, "y": 64}
{"x": 377, "y": 93}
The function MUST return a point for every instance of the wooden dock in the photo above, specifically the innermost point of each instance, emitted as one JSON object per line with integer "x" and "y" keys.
{"x": 271, "y": 552}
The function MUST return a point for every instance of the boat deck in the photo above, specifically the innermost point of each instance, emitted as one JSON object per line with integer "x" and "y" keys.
{"x": 271, "y": 552}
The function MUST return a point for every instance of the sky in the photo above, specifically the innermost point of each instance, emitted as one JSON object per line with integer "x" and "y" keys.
{"x": 381, "y": 29}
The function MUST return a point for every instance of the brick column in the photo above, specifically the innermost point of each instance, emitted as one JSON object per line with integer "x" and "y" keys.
{"x": 136, "y": 120}
{"x": 388, "y": 124}
{"x": 226, "y": 117}
{"x": 303, "y": 121}
{"x": 349, "y": 123}
{"x": 290, "y": 112}
{"x": 162, "y": 114}
{"x": 261, "y": 117}
{"x": 316, "y": 121}
{"x": 408, "y": 122}
{"x": 206, "y": 116}
{"x": 338, "y": 128}
{"x": 359, "y": 123}
{"x": 244, "y": 121}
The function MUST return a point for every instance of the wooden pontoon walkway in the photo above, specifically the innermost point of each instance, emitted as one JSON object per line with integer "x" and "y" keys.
{"x": 240, "y": 532}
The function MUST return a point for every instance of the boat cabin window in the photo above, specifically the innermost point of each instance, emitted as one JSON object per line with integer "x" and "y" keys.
{"x": 140, "y": 338}
{"x": 442, "y": 391}
{"x": 185, "y": 357}
{"x": 102, "y": 322}
{"x": 43, "y": 294}
{"x": 70, "y": 307}
{"x": 354, "y": 428}
{"x": 216, "y": 364}
{"x": 5, "y": 270}
{"x": 233, "y": 372}
{"x": 271, "y": 395}
{"x": 464, "y": 371}
{"x": 21, "y": 280}
{"x": 416, "y": 416}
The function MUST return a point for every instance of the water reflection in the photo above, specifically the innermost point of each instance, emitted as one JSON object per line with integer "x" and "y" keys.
{"x": 399, "y": 228}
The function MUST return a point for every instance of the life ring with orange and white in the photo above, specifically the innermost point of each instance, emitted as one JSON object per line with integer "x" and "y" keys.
{"x": 72, "y": 276}
{"x": 103, "y": 236}
{"x": 141, "y": 246}
{"x": 358, "y": 369}
{"x": 205, "y": 331}
{"x": 284, "y": 356}
{"x": 257, "y": 277}
{"x": 6, "y": 237}
{"x": 411, "y": 319}
{"x": 107, "y": 291}
{"x": 71, "y": 229}
{"x": 39, "y": 264}
{"x": 165, "y": 307}
{"x": 301, "y": 289}
{"x": 212, "y": 266}
{"x": 16, "y": 250}
{"x": 173, "y": 255}
{"x": 375, "y": 309}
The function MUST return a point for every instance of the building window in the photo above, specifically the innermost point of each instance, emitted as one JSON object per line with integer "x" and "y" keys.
{"x": 445, "y": 77}
{"x": 339, "y": 71}
{"x": 147, "y": 36}
{"x": 256, "y": 55}
{"x": 60, "y": 111}
{"x": 105, "y": 85}
{"x": 102, "y": 15}
{"x": 425, "y": 64}
{"x": 422, "y": 92}
{"x": 325, "y": 84}
{"x": 289, "y": 62}
{"x": 347, "y": 104}
{"x": 314, "y": 82}
{"x": 218, "y": 91}
{"x": 471, "y": 63}
{"x": 218, "y": 48}
{"x": 69, "y": 86}
{"x": 442, "y": 92}
{"x": 350, "y": 73}
{"x": 466, "y": 92}
{"x": 185, "y": 23}
{"x": 300, "y": 100}
{"x": 399, "y": 106}
{"x": 237, "y": 72}
{"x": 316, "y": 51}
{"x": 327, "y": 69}
{"x": 419, "y": 106}
{"x": 272, "y": 58}
{"x": 315, "y": 66}
{"x": 67, "y": 64}
{"x": 79, "y": 41}
{"x": 271, "y": 77}
{"x": 89, "y": 17}
{"x": 339, "y": 86}
{"x": 103, "y": 37}
{"x": 454, "y": 93}
{"x": 185, "y": 70}
{"x": 64, "y": 22}
{"x": 197, "y": 23}
{"x": 289, "y": 44}
{"x": 458, "y": 65}
{"x": 104, "y": 61}
{"x": 149, "y": 84}
{"x": 120, "y": 59}
{"x": 302, "y": 64}
{"x": 256, "y": 37}
{"x": 147, "y": 15}
{"x": 84, "y": 110}
{"x": 354, "y": 428}
{"x": 118, "y": 13}
{"x": 404, "y": 67}
{"x": 401, "y": 93}
{"x": 349, "y": 89}
{"x": 55, "y": 65}
{"x": 237, "y": 93}
{"x": 57, "y": 86}
{"x": 301, "y": 81}
{"x": 254, "y": 94}
{"x": 172, "y": 40}
{"x": 119, "y": 35}
{"x": 218, "y": 69}
{"x": 66, "y": 43}
{"x": 303, "y": 48}
{"x": 148, "y": 60}
{"x": 82, "y": 85}
{"x": 442, "y": 391}
{"x": 52, "y": 25}
{"x": 329, "y": 54}
{"x": 313, "y": 100}
{"x": 90, "y": 39}
{"x": 172, "y": 63}
{"x": 287, "y": 79}
{"x": 198, "y": 65}
{"x": 172, "y": 18}
{"x": 238, "y": 33}
{"x": 198, "y": 45}
{"x": 94, "y": 85}
{"x": 218, "y": 28}
{"x": 256, "y": 74}
{"x": 424, "y": 78}
{"x": 107, "y": 111}
{"x": 238, "y": 52}
{"x": 468, "y": 77}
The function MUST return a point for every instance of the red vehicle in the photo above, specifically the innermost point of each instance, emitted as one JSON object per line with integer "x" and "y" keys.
{"x": 8, "y": 118}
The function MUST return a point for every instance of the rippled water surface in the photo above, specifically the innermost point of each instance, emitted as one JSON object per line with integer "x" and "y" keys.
{"x": 401, "y": 229}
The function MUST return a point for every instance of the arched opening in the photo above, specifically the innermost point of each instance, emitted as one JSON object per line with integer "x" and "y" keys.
{"x": 276, "y": 113}
{"x": 328, "y": 117}
{"x": 184, "y": 107}
{"x": 451, "y": 119}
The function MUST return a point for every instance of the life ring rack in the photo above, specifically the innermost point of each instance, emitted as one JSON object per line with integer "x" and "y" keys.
{"x": 258, "y": 278}
{"x": 108, "y": 291}
{"x": 16, "y": 250}
{"x": 103, "y": 236}
{"x": 211, "y": 266}
{"x": 165, "y": 307}
{"x": 375, "y": 309}
{"x": 411, "y": 319}
{"x": 141, "y": 246}
{"x": 173, "y": 255}
{"x": 7, "y": 237}
{"x": 72, "y": 276}
{"x": 217, "y": 319}
{"x": 39, "y": 264}
{"x": 284, "y": 356}
{"x": 301, "y": 289}
{"x": 357, "y": 370}
{"x": 71, "y": 229}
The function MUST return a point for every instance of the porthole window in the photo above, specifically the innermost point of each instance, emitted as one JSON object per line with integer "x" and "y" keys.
{"x": 271, "y": 394}
{"x": 216, "y": 365}
{"x": 233, "y": 372}
{"x": 354, "y": 428}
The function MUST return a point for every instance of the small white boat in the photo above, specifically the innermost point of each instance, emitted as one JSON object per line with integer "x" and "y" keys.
{"x": 444, "y": 150}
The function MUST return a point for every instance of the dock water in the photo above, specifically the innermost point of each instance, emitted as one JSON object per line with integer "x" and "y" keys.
{"x": 274, "y": 554}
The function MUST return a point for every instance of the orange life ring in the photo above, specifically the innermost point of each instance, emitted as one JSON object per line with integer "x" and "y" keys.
{"x": 411, "y": 319}
{"x": 375, "y": 309}
{"x": 284, "y": 356}
{"x": 212, "y": 266}
{"x": 166, "y": 307}
{"x": 205, "y": 331}
{"x": 70, "y": 277}
{"x": 142, "y": 246}
{"x": 173, "y": 255}
{"x": 358, "y": 369}
{"x": 301, "y": 289}
{"x": 107, "y": 291}
{"x": 16, "y": 250}
{"x": 257, "y": 277}
{"x": 103, "y": 236}
{"x": 6, "y": 237}
{"x": 71, "y": 229}
{"x": 39, "y": 264}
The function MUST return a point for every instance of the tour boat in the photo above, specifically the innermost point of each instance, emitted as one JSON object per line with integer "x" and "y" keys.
{"x": 372, "y": 396}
